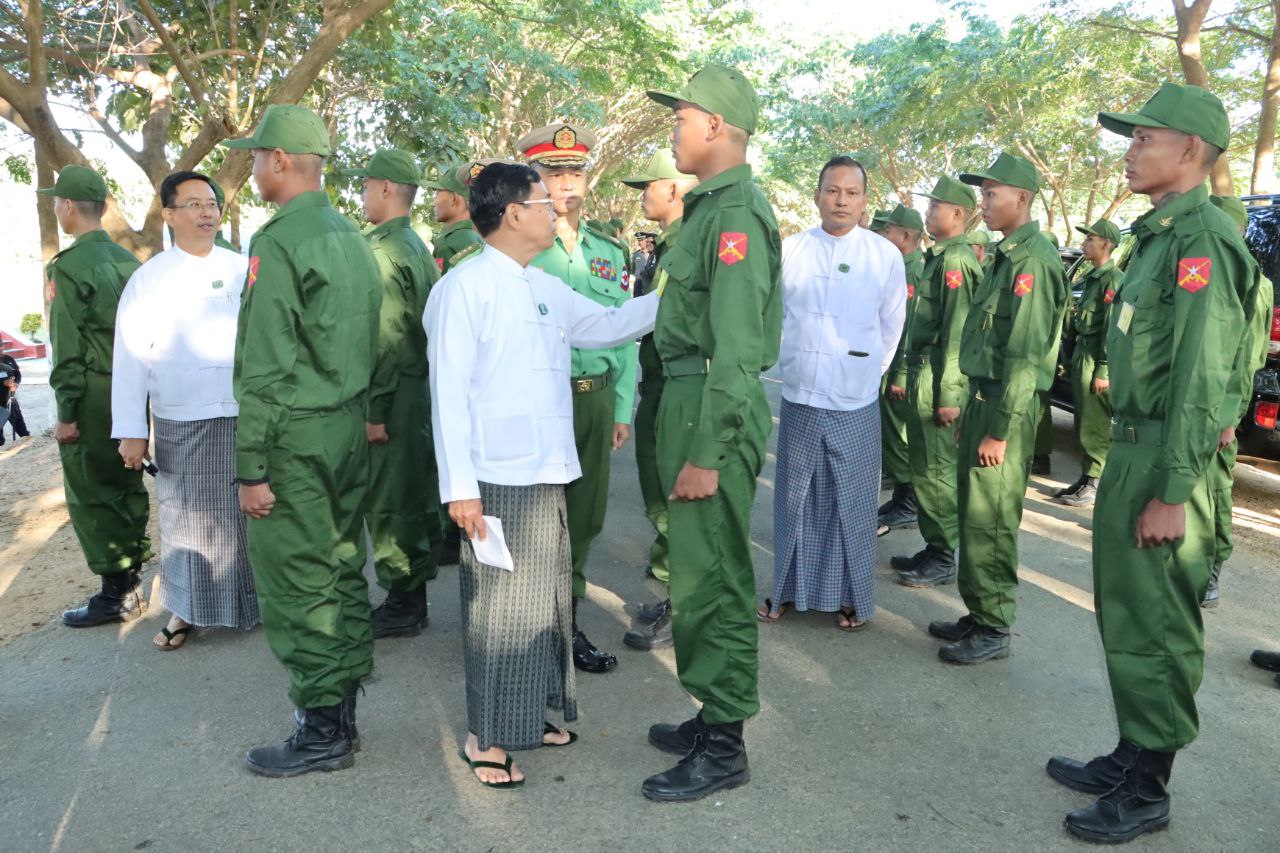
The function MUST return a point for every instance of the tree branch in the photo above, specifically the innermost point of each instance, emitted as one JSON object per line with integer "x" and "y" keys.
{"x": 193, "y": 82}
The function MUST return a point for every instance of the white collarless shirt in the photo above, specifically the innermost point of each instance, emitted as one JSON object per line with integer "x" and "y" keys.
{"x": 498, "y": 341}
{"x": 175, "y": 340}
{"x": 844, "y": 301}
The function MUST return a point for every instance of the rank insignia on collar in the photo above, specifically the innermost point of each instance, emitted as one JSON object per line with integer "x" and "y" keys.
{"x": 252, "y": 276}
{"x": 1193, "y": 273}
{"x": 1166, "y": 222}
{"x": 603, "y": 268}
{"x": 1023, "y": 284}
{"x": 1108, "y": 297}
{"x": 1011, "y": 247}
{"x": 953, "y": 278}
{"x": 733, "y": 247}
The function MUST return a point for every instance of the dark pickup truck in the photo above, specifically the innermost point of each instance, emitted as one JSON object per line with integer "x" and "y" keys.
{"x": 1257, "y": 431}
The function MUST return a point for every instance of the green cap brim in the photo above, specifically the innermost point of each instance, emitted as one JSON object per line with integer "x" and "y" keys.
{"x": 639, "y": 182}
{"x": 432, "y": 185}
{"x": 667, "y": 99}
{"x": 47, "y": 191}
{"x": 1083, "y": 230}
{"x": 244, "y": 142}
{"x": 354, "y": 173}
{"x": 1124, "y": 123}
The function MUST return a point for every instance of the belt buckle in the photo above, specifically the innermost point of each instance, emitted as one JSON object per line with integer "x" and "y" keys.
{"x": 977, "y": 395}
{"x": 582, "y": 385}
{"x": 1131, "y": 434}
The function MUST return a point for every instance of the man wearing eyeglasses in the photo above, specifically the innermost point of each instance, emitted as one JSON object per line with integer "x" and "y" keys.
{"x": 175, "y": 341}
{"x": 107, "y": 503}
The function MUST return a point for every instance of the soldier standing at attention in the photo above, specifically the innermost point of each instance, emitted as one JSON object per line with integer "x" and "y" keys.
{"x": 936, "y": 389}
{"x": 903, "y": 227}
{"x": 664, "y": 188}
{"x": 1009, "y": 351}
{"x": 604, "y": 381}
{"x": 449, "y": 209}
{"x": 719, "y": 326}
{"x": 1178, "y": 333}
{"x": 403, "y": 511}
{"x": 106, "y": 501}
{"x": 980, "y": 242}
{"x": 305, "y": 346}
{"x": 1089, "y": 381}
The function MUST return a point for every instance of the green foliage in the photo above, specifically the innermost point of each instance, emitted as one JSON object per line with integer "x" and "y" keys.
{"x": 19, "y": 168}
{"x": 30, "y": 324}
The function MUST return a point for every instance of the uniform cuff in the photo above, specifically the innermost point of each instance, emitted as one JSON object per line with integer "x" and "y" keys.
{"x": 251, "y": 467}
{"x": 1100, "y": 370}
{"x": 709, "y": 453}
{"x": 1177, "y": 487}
{"x": 998, "y": 427}
{"x": 950, "y": 398}
{"x": 68, "y": 411}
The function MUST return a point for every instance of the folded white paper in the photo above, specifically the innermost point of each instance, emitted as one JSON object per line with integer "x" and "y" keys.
{"x": 492, "y": 550}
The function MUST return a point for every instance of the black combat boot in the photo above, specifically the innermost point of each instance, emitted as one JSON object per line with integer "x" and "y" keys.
{"x": 952, "y": 631}
{"x": 1071, "y": 489}
{"x": 1211, "y": 595}
{"x": 348, "y": 708}
{"x": 677, "y": 739}
{"x": 119, "y": 601}
{"x": 718, "y": 761}
{"x": 936, "y": 569}
{"x": 1139, "y": 804}
{"x": 1099, "y": 775}
{"x": 320, "y": 743}
{"x": 1264, "y": 659}
{"x": 899, "y": 489}
{"x": 403, "y": 614}
{"x": 656, "y": 634}
{"x": 903, "y": 563}
{"x": 586, "y": 656}
{"x": 900, "y": 512}
{"x": 1083, "y": 496}
{"x": 978, "y": 646}
{"x": 1040, "y": 465}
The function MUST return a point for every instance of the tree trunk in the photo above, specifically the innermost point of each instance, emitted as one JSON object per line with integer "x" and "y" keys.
{"x": 1263, "y": 179}
{"x": 1191, "y": 17}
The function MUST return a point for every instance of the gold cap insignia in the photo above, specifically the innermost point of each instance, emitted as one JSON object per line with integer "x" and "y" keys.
{"x": 476, "y": 169}
{"x": 565, "y": 138}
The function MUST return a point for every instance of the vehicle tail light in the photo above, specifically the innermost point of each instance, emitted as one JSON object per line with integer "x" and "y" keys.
{"x": 1274, "y": 346}
{"x": 1265, "y": 414}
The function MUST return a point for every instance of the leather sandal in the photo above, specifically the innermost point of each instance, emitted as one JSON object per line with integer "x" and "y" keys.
{"x": 765, "y": 613}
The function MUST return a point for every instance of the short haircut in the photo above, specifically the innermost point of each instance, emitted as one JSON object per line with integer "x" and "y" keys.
{"x": 498, "y": 185}
{"x": 169, "y": 186}
{"x": 1211, "y": 154}
{"x": 843, "y": 160}
{"x": 89, "y": 209}
{"x": 308, "y": 164}
{"x": 407, "y": 192}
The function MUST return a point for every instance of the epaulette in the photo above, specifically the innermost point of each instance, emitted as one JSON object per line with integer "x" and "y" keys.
{"x": 603, "y": 236}
{"x": 459, "y": 257}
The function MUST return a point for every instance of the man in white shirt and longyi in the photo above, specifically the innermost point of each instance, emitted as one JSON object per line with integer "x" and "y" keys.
{"x": 844, "y": 301}
{"x": 174, "y": 343}
{"x": 499, "y": 334}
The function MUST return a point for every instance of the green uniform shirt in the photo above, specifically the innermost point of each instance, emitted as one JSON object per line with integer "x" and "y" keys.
{"x": 85, "y": 281}
{"x": 913, "y": 264}
{"x": 407, "y": 276}
{"x": 723, "y": 301}
{"x": 597, "y": 269}
{"x": 308, "y": 325}
{"x": 1178, "y": 333}
{"x": 1089, "y": 322}
{"x": 1013, "y": 330}
{"x": 650, "y": 362}
{"x": 219, "y": 240}
{"x": 452, "y": 241}
{"x": 951, "y": 272}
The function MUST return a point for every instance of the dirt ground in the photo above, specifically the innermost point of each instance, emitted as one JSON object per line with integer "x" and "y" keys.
{"x": 42, "y": 571}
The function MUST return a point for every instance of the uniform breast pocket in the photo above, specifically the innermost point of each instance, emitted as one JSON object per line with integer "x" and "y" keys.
{"x": 1150, "y": 310}
{"x": 680, "y": 266}
{"x": 601, "y": 283}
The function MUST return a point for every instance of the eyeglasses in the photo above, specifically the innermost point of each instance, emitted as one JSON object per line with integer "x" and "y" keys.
{"x": 546, "y": 201}
{"x": 198, "y": 206}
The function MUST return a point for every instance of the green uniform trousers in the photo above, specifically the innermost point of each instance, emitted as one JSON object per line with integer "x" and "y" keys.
{"x": 713, "y": 583}
{"x": 403, "y": 512}
{"x": 1044, "y": 426}
{"x": 933, "y": 463}
{"x": 1148, "y": 600}
{"x": 1092, "y": 416}
{"x": 894, "y": 414}
{"x": 1223, "y": 473}
{"x": 587, "y": 497}
{"x": 990, "y": 508}
{"x": 107, "y": 502}
{"x": 308, "y": 555}
{"x": 646, "y": 440}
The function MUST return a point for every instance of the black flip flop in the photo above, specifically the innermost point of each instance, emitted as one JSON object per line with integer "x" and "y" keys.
{"x": 548, "y": 729}
{"x": 492, "y": 765}
{"x": 168, "y": 638}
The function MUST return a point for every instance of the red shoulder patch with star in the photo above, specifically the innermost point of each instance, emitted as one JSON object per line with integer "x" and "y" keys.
{"x": 50, "y": 290}
{"x": 440, "y": 264}
{"x": 1193, "y": 273}
{"x": 253, "y": 272}
{"x": 1108, "y": 296}
{"x": 1024, "y": 284}
{"x": 733, "y": 247}
{"x": 953, "y": 278}
{"x": 911, "y": 290}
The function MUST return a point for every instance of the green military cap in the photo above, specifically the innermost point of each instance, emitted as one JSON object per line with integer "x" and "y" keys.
{"x": 218, "y": 194}
{"x": 1232, "y": 206}
{"x": 450, "y": 179}
{"x": 720, "y": 90}
{"x": 879, "y": 219}
{"x": 905, "y": 217}
{"x": 388, "y": 164}
{"x": 661, "y": 167}
{"x": 1190, "y": 109}
{"x": 1052, "y": 238}
{"x": 78, "y": 183}
{"x": 595, "y": 225}
{"x": 951, "y": 191}
{"x": 617, "y": 225}
{"x": 1103, "y": 228}
{"x": 558, "y": 146}
{"x": 1007, "y": 169}
{"x": 978, "y": 238}
{"x": 292, "y": 129}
